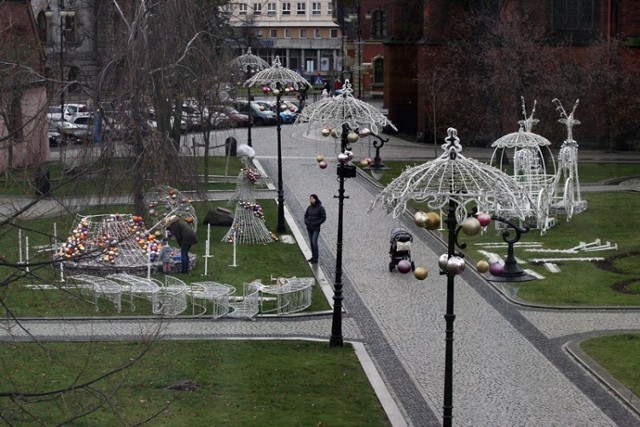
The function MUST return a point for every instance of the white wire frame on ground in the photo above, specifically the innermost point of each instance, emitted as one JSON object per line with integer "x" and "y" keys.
{"x": 217, "y": 293}
{"x": 100, "y": 287}
{"x": 172, "y": 296}
{"x": 138, "y": 287}
{"x": 247, "y": 306}
{"x": 287, "y": 295}
{"x": 531, "y": 171}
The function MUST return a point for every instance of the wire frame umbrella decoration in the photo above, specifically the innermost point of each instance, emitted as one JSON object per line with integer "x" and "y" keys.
{"x": 277, "y": 77}
{"x": 249, "y": 62}
{"x": 334, "y": 113}
{"x": 452, "y": 177}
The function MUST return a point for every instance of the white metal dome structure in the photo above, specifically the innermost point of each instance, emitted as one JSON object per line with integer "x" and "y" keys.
{"x": 533, "y": 168}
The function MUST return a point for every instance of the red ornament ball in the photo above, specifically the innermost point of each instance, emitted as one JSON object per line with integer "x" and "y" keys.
{"x": 483, "y": 218}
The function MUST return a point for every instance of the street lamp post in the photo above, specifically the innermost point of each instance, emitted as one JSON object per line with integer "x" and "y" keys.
{"x": 278, "y": 79}
{"x": 348, "y": 118}
{"x": 454, "y": 182}
{"x": 63, "y": 13}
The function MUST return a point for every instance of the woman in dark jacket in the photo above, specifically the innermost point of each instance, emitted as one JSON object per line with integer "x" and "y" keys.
{"x": 314, "y": 216}
{"x": 185, "y": 236}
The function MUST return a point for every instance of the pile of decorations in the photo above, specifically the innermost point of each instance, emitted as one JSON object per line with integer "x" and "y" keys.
{"x": 164, "y": 200}
{"x": 251, "y": 174}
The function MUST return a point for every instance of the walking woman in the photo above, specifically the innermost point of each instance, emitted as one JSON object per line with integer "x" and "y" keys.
{"x": 314, "y": 216}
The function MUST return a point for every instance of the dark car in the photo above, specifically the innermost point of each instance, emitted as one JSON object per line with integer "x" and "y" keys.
{"x": 261, "y": 115}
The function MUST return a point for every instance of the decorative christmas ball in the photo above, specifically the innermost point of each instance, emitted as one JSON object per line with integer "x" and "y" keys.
{"x": 349, "y": 154}
{"x": 319, "y": 158}
{"x": 471, "y": 226}
{"x": 433, "y": 221}
{"x": 442, "y": 262}
{"x": 482, "y": 266}
{"x": 276, "y": 92}
{"x": 322, "y": 164}
{"x": 326, "y": 132}
{"x": 496, "y": 269}
{"x": 334, "y": 133}
{"x": 455, "y": 265}
{"x": 420, "y": 218}
{"x": 421, "y": 273}
{"x": 368, "y": 160}
{"x": 352, "y": 137}
{"x": 483, "y": 218}
{"x": 404, "y": 266}
{"x": 343, "y": 158}
{"x": 365, "y": 132}
{"x": 265, "y": 89}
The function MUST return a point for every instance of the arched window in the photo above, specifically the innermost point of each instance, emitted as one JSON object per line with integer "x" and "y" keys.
{"x": 42, "y": 27}
{"x": 378, "y": 71}
{"x": 378, "y": 25}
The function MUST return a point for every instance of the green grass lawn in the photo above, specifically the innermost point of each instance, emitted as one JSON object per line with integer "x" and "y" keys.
{"x": 253, "y": 262}
{"x": 239, "y": 383}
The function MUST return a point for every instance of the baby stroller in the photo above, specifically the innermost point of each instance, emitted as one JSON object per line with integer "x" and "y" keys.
{"x": 400, "y": 247}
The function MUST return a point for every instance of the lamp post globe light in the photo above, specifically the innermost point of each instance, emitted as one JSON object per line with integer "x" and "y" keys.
{"x": 63, "y": 14}
{"x": 467, "y": 191}
{"x": 249, "y": 64}
{"x": 346, "y": 118}
{"x": 278, "y": 80}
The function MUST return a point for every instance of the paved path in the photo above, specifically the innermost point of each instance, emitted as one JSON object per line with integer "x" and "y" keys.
{"x": 511, "y": 364}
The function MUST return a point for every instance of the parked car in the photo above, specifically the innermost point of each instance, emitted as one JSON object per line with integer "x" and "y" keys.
{"x": 236, "y": 118}
{"x": 55, "y": 137}
{"x": 261, "y": 115}
{"x": 288, "y": 110}
{"x": 70, "y": 110}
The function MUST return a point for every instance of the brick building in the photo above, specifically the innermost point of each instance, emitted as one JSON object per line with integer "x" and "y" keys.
{"x": 23, "y": 98}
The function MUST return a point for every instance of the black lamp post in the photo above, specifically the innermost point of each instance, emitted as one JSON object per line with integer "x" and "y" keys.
{"x": 377, "y": 168}
{"x": 250, "y": 71}
{"x": 345, "y": 170}
{"x": 63, "y": 14}
{"x": 281, "y": 228}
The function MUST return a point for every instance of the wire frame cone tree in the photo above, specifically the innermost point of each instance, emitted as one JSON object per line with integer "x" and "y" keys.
{"x": 335, "y": 112}
{"x": 461, "y": 187}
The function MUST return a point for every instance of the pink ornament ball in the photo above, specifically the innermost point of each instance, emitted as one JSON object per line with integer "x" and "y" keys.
{"x": 404, "y": 266}
{"x": 483, "y": 218}
{"x": 496, "y": 268}
{"x": 322, "y": 164}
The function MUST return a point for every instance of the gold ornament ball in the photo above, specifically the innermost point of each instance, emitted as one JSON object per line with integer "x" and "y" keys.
{"x": 319, "y": 158}
{"x": 352, "y": 137}
{"x": 326, "y": 132}
{"x": 364, "y": 163}
{"x": 471, "y": 226}
{"x": 420, "y": 218}
{"x": 482, "y": 266}
{"x": 433, "y": 221}
{"x": 421, "y": 273}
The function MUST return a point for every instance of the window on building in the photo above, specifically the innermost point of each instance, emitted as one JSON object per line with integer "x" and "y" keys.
{"x": 259, "y": 33}
{"x": 257, "y": 8}
{"x": 287, "y": 33}
{"x": 286, "y": 8}
{"x": 42, "y": 27}
{"x": 242, "y": 8}
{"x": 303, "y": 33}
{"x": 573, "y": 14}
{"x": 378, "y": 25}
{"x": 316, "y": 8}
{"x": 378, "y": 71}
{"x": 317, "y": 33}
{"x": 334, "y": 33}
{"x": 69, "y": 28}
{"x": 301, "y": 8}
{"x": 74, "y": 76}
{"x": 273, "y": 33}
{"x": 330, "y": 8}
{"x": 271, "y": 8}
